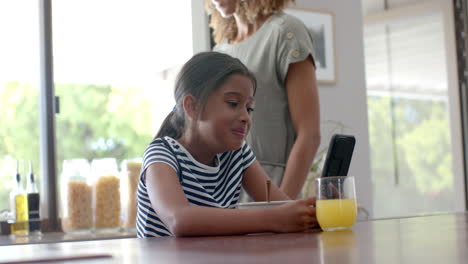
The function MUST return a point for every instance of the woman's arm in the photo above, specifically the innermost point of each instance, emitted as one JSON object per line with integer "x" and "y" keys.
{"x": 301, "y": 86}
{"x": 182, "y": 219}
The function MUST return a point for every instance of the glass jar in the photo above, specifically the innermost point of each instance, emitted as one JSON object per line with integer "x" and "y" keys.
{"x": 106, "y": 194}
{"x": 76, "y": 194}
{"x": 130, "y": 176}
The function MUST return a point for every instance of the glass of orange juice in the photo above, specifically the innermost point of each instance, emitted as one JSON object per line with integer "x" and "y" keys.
{"x": 336, "y": 202}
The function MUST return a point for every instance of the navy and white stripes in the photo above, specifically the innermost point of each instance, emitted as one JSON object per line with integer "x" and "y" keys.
{"x": 203, "y": 185}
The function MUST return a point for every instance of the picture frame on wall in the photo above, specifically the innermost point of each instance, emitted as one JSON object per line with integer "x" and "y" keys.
{"x": 321, "y": 25}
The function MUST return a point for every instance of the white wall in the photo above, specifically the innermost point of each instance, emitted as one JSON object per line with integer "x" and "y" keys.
{"x": 345, "y": 101}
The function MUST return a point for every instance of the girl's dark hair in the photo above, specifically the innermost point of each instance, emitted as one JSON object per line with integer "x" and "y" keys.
{"x": 200, "y": 76}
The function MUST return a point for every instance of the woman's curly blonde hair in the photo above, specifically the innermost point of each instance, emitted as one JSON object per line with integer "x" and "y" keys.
{"x": 226, "y": 28}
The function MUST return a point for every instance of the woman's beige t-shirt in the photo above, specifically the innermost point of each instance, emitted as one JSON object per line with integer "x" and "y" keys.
{"x": 280, "y": 41}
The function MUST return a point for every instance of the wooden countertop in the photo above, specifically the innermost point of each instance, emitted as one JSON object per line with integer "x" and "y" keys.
{"x": 427, "y": 239}
{"x": 54, "y": 237}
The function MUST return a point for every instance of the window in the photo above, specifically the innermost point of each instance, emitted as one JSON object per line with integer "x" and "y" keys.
{"x": 114, "y": 68}
{"x": 113, "y": 75}
{"x": 19, "y": 129}
{"x": 410, "y": 119}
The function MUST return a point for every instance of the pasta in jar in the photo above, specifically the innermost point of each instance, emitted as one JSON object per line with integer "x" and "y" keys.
{"x": 76, "y": 209}
{"x": 107, "y": 202}
{"x": 133, "y": 174}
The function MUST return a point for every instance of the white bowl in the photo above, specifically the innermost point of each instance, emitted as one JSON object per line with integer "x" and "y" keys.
{"x": 257, "y": 205}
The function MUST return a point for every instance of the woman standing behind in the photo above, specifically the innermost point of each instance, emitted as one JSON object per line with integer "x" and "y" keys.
{"x": 278, "y": 49}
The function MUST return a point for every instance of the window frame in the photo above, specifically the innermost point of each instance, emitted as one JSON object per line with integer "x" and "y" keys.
{"x": 47, "y": 106}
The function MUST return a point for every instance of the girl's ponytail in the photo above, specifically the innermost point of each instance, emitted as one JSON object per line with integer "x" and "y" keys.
{"x": 172, "y": 126}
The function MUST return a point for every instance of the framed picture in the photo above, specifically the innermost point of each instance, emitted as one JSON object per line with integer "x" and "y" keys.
{"x": 321, "y": 26}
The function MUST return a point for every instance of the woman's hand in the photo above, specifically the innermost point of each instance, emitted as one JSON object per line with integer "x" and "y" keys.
{"x": 295, "y": 216}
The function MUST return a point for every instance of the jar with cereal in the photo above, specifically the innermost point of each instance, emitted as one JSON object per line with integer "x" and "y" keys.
{"x": 76, "y": 196}
{"x": 106, "y": 195}
{"x": 130, "y": 176}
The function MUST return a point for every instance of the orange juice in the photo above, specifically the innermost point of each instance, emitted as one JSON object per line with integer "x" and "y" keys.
{"x": 336, "y": 213}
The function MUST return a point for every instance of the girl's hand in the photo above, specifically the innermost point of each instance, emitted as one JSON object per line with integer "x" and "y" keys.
{"x": 295, "y": 216}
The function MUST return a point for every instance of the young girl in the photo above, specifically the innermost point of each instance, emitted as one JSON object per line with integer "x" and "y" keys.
{"x": 194, "y": 169}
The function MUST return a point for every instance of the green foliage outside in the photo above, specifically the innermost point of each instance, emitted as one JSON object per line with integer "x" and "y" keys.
{"x": 19, "y": 133}
{"x": 102, "y": 121}
{"x": 95, "y": 121}
{"x": 418, "y": 178}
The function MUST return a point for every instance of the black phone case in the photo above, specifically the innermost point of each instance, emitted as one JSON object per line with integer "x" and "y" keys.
{"x": 339, "y": 155}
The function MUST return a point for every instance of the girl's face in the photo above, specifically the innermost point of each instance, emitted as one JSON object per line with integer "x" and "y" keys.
{"x": 225, "y": 7}
{"x": 226, "y": 117}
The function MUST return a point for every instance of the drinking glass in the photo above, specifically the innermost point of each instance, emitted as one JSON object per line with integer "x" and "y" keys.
{"x": 336, "y": 202}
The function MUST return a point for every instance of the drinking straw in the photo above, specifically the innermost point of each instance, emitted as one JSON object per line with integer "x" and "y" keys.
{"x": 268, "y": 184}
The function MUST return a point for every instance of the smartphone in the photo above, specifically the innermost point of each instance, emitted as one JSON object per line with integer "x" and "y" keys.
{"x": 339, "y": 155}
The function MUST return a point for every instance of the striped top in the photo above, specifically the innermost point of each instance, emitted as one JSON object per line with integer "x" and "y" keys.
{"x": 203, "y": 185}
